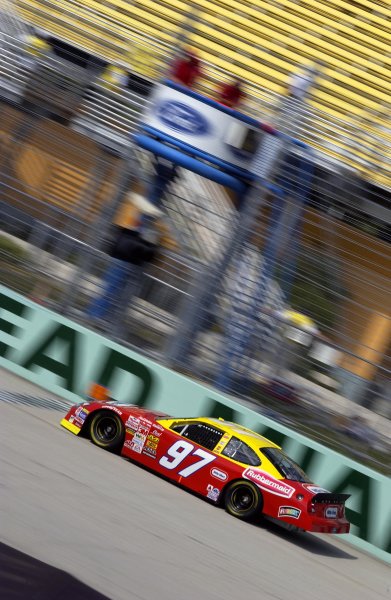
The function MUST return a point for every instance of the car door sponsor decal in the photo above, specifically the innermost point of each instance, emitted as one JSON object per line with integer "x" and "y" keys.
{"x": 138, "y": 442}
{"x": 149, "y": 452}
{"x": 132, "y": 423}
{"x": 212, "y": 492}
{"x": 143, "y": 429}
{"x": 218, "y": 474}
{"x": 81, "y": 414}
{"x": 268, "y": 483}
{"x": 151, "y": 445}
{"x": 152, "y": 440}
{"x": 289, "y": 511}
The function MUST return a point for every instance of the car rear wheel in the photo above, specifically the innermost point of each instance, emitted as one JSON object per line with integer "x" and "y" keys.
{"x": 243, "y": 499}
{"x": 107, "y": 431}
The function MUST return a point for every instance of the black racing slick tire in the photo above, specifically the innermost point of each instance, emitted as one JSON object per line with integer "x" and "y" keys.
{"x": 107, "y": 431}
{"x": 243, "y": 500}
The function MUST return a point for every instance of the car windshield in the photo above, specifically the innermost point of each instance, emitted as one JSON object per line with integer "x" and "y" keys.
{"x": 285, "y": 465}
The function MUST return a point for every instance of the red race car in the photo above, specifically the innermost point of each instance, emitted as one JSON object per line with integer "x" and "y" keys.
{"x": 227, "y": 463}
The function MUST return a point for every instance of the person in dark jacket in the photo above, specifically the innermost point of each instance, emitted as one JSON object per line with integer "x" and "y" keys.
{"x": 130, "y": 251}
{"x": 131, "y": 247}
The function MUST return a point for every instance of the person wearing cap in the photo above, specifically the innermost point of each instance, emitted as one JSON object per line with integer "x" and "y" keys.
{"x": 132, "y": 247}
{"x": 187, "y": 69}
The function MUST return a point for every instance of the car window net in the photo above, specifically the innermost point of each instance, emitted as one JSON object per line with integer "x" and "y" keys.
{"x": 239, "y": 451}
{"x": 285, "y": 465}
{"x": 201, "y": 434}
{"x": 178, "y": 428}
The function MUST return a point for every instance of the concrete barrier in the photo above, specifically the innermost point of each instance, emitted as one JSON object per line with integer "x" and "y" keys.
{"x": 64, "y": 358}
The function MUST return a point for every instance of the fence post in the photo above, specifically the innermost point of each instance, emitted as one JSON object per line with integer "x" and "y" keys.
{"x": 207, "y": 280}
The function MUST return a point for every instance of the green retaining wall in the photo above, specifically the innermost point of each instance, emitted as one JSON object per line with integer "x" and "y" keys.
{"x": 64, "y": 358}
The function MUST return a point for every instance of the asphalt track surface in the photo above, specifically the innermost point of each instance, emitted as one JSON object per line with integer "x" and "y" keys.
{"x": 131, "y": 535}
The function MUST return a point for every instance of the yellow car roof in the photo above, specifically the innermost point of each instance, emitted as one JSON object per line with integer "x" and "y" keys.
{"x": 253, "y": 439}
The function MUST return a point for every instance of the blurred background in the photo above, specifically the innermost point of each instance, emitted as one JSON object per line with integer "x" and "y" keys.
{"x": 284, "y": 301}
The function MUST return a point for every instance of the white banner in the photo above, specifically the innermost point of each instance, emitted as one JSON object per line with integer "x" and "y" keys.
{"x": 205, "y": 127}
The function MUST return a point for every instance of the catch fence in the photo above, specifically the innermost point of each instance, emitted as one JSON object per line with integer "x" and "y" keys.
{"x": 298, "y": 309}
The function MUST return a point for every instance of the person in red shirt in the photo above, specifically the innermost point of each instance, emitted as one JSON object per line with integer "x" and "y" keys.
{"x": 187, "y": 70}
{"x": 231, "y": 94}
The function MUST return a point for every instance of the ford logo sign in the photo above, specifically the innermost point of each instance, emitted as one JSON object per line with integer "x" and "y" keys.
{"x": 182, "y": 118}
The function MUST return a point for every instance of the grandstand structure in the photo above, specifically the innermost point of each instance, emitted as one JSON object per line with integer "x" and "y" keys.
{"x": 64, "y": 177}
{"x": 261, "y": 42}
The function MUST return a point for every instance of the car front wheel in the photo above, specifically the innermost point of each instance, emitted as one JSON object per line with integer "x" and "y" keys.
{"x": 107, "y": 431}
{"x": 243, "y": 499}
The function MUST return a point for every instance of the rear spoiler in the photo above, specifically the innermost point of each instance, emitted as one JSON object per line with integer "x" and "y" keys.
{"x": 329, "y": 498}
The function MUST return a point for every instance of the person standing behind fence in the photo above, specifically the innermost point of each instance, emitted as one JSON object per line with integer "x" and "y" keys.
{"x": 299, "y": 87}
{"x": 187, "y": 69}
{"x": 131, "y": 250}
{"x": 300, "y": 82}
{"x": 231, "y": 94}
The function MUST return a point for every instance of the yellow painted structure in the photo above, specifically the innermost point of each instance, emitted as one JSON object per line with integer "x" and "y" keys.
{"x": 365, "y": 321}
{"x": 259, "y": 41}
{"x": 373, "y": 344}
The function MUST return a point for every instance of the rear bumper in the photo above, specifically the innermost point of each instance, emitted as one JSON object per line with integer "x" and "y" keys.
{"x": 313, "y": 524}
{"x": 330, "y": 526}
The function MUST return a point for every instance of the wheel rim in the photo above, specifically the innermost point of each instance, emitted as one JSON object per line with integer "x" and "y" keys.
{"x": 106, "y": 429}
{"x": 242, "y": 499}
